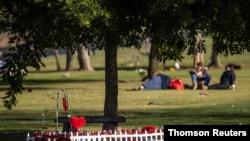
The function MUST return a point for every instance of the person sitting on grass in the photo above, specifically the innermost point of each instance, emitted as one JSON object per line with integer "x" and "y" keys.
{"x": 227, "y": 79}
{"x": 200, "y": 76}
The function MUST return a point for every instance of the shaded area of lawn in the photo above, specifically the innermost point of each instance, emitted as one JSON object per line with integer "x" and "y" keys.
{"x": 13, "y": 135}
{"x": 204, "y": 115}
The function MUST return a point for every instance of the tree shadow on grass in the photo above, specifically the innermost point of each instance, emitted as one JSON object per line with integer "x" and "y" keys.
{"x": 204, "y": 115}
{"x": 188, "y": 116}
{"x": 10, "y": 135}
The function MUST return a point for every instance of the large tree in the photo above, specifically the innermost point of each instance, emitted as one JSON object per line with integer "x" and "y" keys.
{"x": 67, "y": 24}
{"x": 124, "y": 29}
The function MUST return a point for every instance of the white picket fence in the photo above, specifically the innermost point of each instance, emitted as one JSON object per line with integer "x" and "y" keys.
{"x": 118, "y": 135}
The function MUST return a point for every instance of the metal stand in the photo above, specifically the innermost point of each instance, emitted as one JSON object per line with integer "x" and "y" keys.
{"x": 43, "y": 115}
{"x": 57, "y": 105}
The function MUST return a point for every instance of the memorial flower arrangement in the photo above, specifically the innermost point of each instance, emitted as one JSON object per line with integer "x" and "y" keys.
{"x": 78, "y": 122}
{"x": 67, "y": 136}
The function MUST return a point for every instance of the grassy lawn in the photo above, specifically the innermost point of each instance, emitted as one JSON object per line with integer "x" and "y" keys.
{"x": 86, "y": 97}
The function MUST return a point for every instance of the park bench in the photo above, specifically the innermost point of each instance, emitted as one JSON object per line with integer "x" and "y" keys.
{"x": 90, "y": 119}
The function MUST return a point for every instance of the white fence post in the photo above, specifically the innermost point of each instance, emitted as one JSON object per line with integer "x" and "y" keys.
{"x": 117, "y": 135}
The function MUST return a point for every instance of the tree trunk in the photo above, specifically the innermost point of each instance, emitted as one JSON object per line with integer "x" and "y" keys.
{"x": 56, "y": 52}
{"x": 198, "y": 57}
{"x": 111, "y": 83}
{"x": 198, "y": 51}
{"x": 153, "y": 64}
{"x": 215, "y": 60}
{"x": 83, "y": 59}
{"x": 69, "y": 59}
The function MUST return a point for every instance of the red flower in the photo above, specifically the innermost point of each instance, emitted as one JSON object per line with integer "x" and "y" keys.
{"x": 29, "y": 90}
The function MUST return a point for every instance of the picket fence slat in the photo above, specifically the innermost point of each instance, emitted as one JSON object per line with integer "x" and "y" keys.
{"x": 119, "y": 135}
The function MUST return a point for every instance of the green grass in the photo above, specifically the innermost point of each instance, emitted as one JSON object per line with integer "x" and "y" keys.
{"x": 86, "y": 97}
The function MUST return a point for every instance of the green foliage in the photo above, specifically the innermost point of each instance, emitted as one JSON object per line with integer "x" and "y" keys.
{"x": 225, "y": 21}
{"x": 165, "y": 25}
{"x": 86, "y": 10}
{"x": 228, "y": 26}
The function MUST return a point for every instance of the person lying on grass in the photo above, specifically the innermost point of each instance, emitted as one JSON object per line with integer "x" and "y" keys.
{"x": 156, "y": 82}
{"x": 227, "y": 79}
